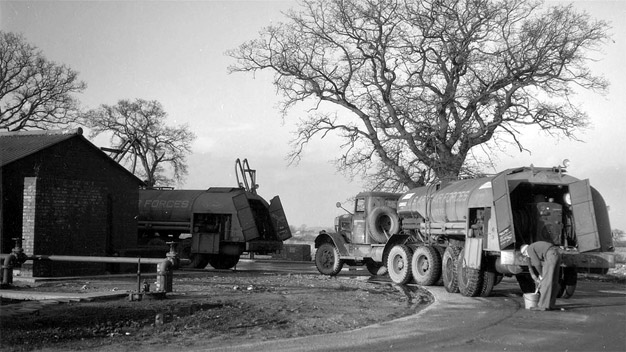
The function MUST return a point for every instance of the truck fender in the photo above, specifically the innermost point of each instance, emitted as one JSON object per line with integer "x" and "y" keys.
{"x": 394, "y": 240}
{"x": 334, "y": 238}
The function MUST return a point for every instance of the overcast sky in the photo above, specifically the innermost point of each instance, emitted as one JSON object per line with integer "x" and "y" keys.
{"x": 173, "y": 52}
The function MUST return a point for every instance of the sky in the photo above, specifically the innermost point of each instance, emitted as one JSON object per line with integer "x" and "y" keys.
{"x": 174, "y": 52}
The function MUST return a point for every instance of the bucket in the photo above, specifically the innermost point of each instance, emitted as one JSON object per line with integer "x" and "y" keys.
{"x": 530, "y": 300}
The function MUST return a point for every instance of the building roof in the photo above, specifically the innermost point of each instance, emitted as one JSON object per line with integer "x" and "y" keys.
{"x": 18, "y": 145}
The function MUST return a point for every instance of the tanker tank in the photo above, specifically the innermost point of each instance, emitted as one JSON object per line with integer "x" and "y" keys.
{"x": 447, "y": 203}
{"x": 166, "y": 206}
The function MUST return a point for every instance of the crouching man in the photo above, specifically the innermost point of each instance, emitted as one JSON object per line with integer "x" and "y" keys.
{"x": 545, "y": 266}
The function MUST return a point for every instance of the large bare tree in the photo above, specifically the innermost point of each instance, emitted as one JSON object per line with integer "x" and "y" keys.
{"x": 138, "y": 134}
{"x": 34, "y": 92}
{"x": 412, "y": 86}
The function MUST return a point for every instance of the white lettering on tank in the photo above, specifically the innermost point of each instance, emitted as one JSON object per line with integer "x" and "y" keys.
{"x": 156, "y": 203}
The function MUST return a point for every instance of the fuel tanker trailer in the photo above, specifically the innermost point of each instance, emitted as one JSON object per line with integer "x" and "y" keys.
{"x": 467, "y": 234}
{"x": 216, "y": 225}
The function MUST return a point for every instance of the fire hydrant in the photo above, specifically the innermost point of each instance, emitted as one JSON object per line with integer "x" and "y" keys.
{"x": 164, "y": 276}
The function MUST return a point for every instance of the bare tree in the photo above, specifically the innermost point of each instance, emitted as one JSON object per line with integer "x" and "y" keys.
{"x": 412, "y": 86}
{"x": 139, "y": 134}
{"x": 34, "y": 92}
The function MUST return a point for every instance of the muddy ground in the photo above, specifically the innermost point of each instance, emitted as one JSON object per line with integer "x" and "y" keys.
{"x": 212, "y": 309}
{"x": 207, "y": 310}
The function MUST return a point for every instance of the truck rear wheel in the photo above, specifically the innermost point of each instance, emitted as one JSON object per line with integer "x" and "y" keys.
{"x": 327, "y": 259}
{"x": 223, "y": 261}
{"x": 568, "y": 279}
{"x": 198, "y": 261}
{"x": 399, "y": 264}
{"x": 470, "y": 280}
{"x": 450, "y": 259}
{"x": 440, "y": 251}
{"x": 426, "y": 265}
{"x": 375, "y": 268}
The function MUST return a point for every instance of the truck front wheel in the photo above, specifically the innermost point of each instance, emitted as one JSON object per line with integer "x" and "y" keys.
{"x": 399, "y": 264}
{"x": 327, "y": 259}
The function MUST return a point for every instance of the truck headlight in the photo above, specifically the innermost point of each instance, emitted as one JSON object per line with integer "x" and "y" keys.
{"x": 567, "y": 198}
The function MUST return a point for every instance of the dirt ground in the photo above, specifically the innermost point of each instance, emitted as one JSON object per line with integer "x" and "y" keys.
{"x": 207, "y": 310}
{"x": 213, "y": 309}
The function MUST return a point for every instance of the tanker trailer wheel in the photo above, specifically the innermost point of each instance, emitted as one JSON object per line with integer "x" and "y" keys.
{"x": 490, "y": 277}
{"x": 327, "y": 259}
{"x": 440, "y": 251}
{"x": 470, "y": 280}
{"x": 382, "y": 222}
{"x": 450, "y": 259}
{"x": 568, "y": 278}
{"x": 450, "y": 277}
{"x": 375, "y": 268}
{"x": 399, "y": 264}
{"x": 426, "y": 265}
{"x": 223, "y": 261}
{"x": 489, "y": 281}
{"x": 198, "y": 261}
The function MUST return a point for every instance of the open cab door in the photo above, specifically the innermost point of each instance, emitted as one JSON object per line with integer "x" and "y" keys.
{"x": 585, "y": 224}
{"x": 503, "y": 213}
{"x": 279, "y": 220}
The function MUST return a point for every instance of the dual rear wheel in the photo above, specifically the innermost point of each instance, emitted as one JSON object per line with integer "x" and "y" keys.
{"x": 470, "y": 282}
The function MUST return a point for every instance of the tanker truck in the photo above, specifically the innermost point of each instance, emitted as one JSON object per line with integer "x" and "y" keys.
{"x": 467, "y": 234}
{"x": 213, "y": 226}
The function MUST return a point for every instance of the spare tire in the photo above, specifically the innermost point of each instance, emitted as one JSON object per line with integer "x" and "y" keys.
{"x": 381, "y": 223}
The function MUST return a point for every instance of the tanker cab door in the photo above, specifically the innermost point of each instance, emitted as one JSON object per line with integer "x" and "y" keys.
{"x": 585, "y": 225}
{"x": 279, "y": 220}
{"x": 503, "y": 213}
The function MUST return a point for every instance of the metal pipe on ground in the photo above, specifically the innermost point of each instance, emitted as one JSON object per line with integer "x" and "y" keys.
{"x": 164, "y": 266}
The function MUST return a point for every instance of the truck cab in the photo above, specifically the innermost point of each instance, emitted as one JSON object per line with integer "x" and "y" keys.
{"x": 354, "y": 226}
{"x": 361, "y": 235}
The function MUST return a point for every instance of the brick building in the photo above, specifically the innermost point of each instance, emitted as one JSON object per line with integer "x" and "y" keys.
{"x": 64, "y": 196}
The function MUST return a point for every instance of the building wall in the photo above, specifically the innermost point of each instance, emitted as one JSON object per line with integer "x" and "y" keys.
{"x": 73, "y": 200}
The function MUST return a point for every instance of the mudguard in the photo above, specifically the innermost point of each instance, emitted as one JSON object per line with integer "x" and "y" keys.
{"x": 338, "y": 240}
